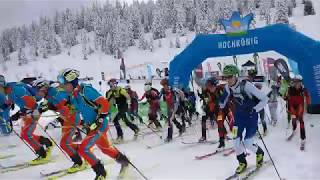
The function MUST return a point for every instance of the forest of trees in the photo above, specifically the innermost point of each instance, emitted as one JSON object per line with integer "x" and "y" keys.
{"x": 119, "y": 26}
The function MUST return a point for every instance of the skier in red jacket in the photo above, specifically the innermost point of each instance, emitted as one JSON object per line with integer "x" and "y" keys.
{"x": 296, "y": 97}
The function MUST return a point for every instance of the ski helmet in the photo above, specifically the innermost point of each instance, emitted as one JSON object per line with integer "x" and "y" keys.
{"x": 69, "y": 76}
{"x": 147, "y": 87}
{"x": 40, "y": 83}
{"x": 164, "y": 82}
{"x": 213, "y": 81}
{"x": 298, "y": 77}
{"x": 230, "y": 70}
{"x": 2, "y": 80}
{"x": 112, "y": 81}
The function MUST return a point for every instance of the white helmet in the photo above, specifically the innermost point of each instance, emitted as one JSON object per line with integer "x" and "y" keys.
{"x": 298, "y": 77}
{"x": 147, "y": 87}
{"x": 40, "y": 83}
{"x": 291, "y": 75}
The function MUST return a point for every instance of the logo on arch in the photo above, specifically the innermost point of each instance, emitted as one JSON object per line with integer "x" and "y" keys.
{"x": 237, "y": 25}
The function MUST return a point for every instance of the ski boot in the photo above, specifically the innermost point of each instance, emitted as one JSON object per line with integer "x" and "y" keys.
{"x": 242, "y": 163}
{"x": 259, "y": 157}
{"x": 101, "y": 173}
{"x": 136, "y": 132}
{"x": 124, "y": 161}
{"x": 78, "y": 165}
{"x": 42, "y": 157}
{"x": 119, "y": 140}
{"x": 168, "y": 139}
{"x": 49, "y": 145}
{"x": 222, "y": 144}
{"x": 202, "y": 140}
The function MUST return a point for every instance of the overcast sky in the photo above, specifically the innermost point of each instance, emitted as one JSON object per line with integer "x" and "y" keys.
{"x": 19, "y": 12}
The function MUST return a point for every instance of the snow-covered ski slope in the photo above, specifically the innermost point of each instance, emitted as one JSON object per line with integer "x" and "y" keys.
{"x": 174, "y": 160}
{"x": 177, "y": 160}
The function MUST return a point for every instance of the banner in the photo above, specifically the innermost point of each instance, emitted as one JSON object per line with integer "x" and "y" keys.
{"x": 219, "y": 66}
{"x": 294, "y": 66}
{"x": 283, "y": 68}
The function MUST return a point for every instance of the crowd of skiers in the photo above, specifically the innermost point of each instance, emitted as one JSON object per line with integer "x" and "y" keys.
{"x": 80, "y": 107}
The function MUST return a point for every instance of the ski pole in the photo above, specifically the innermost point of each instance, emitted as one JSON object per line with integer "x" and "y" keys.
{"x": 137, "y": 169}
{"x": 15, "y": 132}
{"x": 53, "y": 141}
{"x": 270, "y": 156}
{"x": 152, "y": 130}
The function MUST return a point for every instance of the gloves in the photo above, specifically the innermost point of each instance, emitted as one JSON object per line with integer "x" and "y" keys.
{"x": 96, "y": 124}
{"x": 16, "y": 116}
{"x": 43, "y": 107}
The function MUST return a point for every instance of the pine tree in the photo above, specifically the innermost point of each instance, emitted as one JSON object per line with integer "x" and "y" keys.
{"x": 142, "y": 43}
{"x": 158, "y": 25}
{"x": 265, "y": 13}
{"x": 178, "y": 44}
{"x": 69, "y": 30}
{"x": 20, "y": 46}
{"x": 202, "y": 19}
{"x": 281, "y": 15}
{"x": 3, "y": 63}
{"x": 84, "y": 43}
{"x": 308, "y": 8}
{"x": 180, "y": 17}
{"x": 151, "y": 46}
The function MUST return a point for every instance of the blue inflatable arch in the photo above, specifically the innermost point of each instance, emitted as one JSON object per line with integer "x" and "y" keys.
{"x": 279, "y": 38}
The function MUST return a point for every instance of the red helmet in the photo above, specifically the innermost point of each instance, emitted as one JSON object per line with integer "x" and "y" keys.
{"x": 112, "y": 81}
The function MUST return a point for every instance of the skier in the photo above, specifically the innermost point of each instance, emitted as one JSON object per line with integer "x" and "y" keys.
{"x": 297, "y": 95}
{"x": 23, "y": 96}
{"x": 172, "y": 101}
{"x": 5, "y": 106}
{"x": 122, "y": 100}
{"x": 214, "y": 92}
{"x": 56, "y": 99}
{"x": 134, "y": 106}
{"x": 93, "y": 108}
{"x": 248, "y": 100}
{"x": 252, "y": 73}
{"x": 152, "y": 96}
{"x": 262, "y": 114}
{"x": 191, "y": 105}
{"x": 273, "y": 103}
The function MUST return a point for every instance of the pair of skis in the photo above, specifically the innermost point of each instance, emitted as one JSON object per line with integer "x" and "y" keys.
{"x": 226, "y": 152}
{"x": 250, "y": 172}
{"x": 16, "y": 167}
{"x": 302, "y": 146}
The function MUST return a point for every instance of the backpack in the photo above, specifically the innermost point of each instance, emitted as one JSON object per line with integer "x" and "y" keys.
{"x": 90, "y": 103}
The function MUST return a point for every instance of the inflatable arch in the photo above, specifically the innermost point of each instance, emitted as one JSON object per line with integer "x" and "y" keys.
{"x": 279, "y": 38}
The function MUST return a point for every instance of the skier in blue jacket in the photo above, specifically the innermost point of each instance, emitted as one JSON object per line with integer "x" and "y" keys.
{"x": 248, "y": 102}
